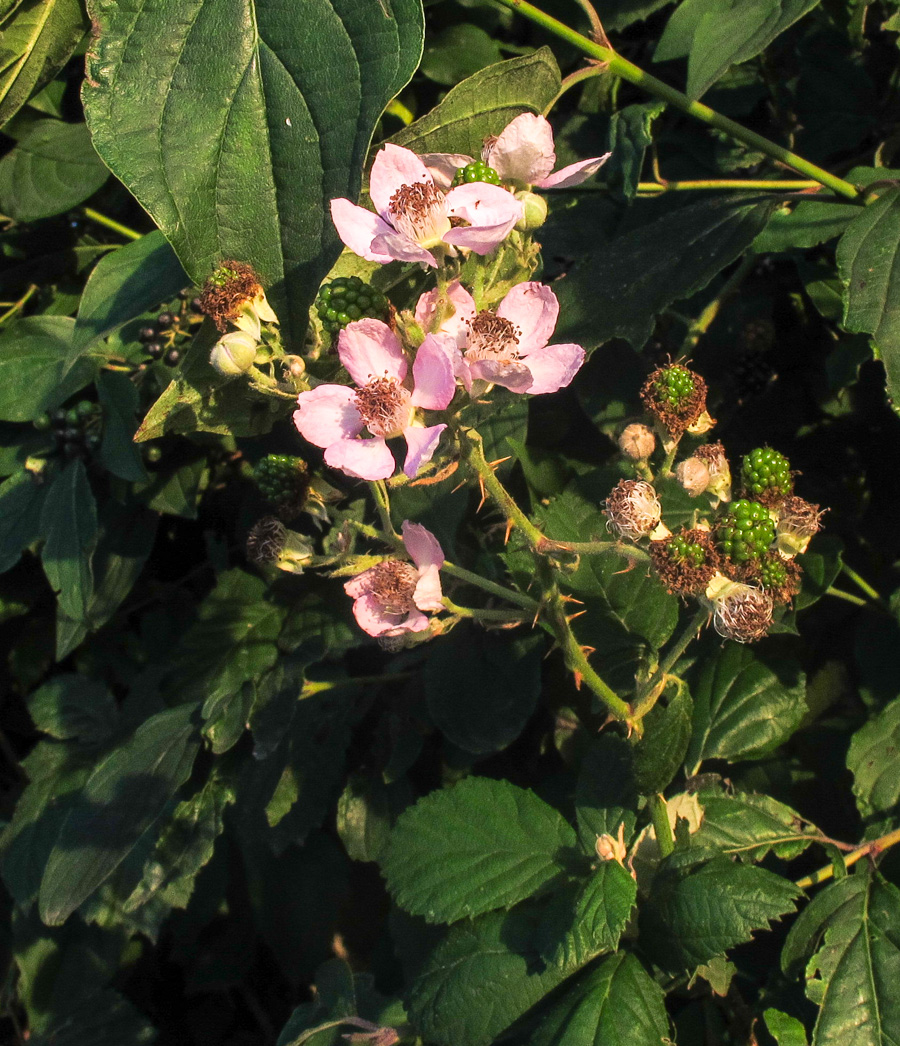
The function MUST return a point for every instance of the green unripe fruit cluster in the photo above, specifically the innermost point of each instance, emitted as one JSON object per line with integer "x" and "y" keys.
{"x": 674, "y": 386}
{"x": 476, "y": 172}
{"x": 773, "y": 573}
{"x": 747, "y": 532}
{"x": 281, "y": 478}
{"x": 686, "y": 552}
{"x": 765, "y": 469}
{"x": 347, "y": 298}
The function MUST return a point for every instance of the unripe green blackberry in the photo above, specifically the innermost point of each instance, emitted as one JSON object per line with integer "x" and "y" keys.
{"x": 685, "y": 562}
{"x": 746, "y": 532}
{"x": 676, "y": 397}
{"x": 345, "y": 299}
{"x": 283, "y": 480}
{"x": 766, "y": 475}
{"x": 476, "y": 172}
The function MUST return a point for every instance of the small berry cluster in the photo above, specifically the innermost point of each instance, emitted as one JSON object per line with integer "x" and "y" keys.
{"x": 283, "y": 480}
{"x": 685, "y": 562}
{"x": 766, "y": 475}
{"x": 77, "y": 432}
{"x": 676, "y": 397}
{"x": 476, "y": 172}
{"x": 347, "y": 298}
{"x": 747, "y": 532}
{"x": 159, "y": 337}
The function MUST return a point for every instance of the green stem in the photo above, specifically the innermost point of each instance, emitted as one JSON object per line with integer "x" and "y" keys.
{"x": 593, "y": 548}
{"x": 526, "y": 602}
{"x": 718, "y": 184}
{"x": 646, "y": 695}
{"x": 705, "y": 320}
{"x": 633, "y": 74}
{"x": 665, "y": 469}
{"x": 572, "y": 80}
{"x": 110, "y": 223}
{"x": 478, "y": 614}
{"x": 17, "y": 306}
{"x": 846, "y": 596}
{"x": 860, "y": 583}
{"x": 869, "y": 849}
{"x": 660, "y": 817}
{"x": 383, "y": 504}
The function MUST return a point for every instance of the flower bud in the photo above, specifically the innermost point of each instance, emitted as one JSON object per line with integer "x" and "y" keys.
{"x": 798, "y": 521}
{"x": 740, "y": 612}
{"x": 693, "y": 475}
{"x": 233, "y": 354}
{"x": 633, "y": 509}
{"x": 713, "y": 457}
{"x": 637, "y": 442}
{"x": 535, "y": 210}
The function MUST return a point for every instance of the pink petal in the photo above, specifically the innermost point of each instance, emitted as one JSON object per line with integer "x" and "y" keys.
{"x": 428, "y": 594}
{"x": 398, "y": 247}
{"x": 374, "y": 621}
{"x": 369, "y": 349}
{"x": 455, "y": 324}
{"x": 361, "y": 458}
{"x": 359, "y": 585}
{"x": 423, "y": 547}
{"x": 524, "y": 150}
{"x": 513, "y": 376}
{"x": 421, "y": 444}
{"x": 490, "y": 210}
{"x": 553, "y": 367}
{"x": 326, "y": 414}
{"x": 393, "y": 168}
{"x": 574, "y": 174}
{"x": 435, "y": 384}
{"x": 358, "y": 228}
{"x": 443, "y": 166}
{"x": 533, "y": 308}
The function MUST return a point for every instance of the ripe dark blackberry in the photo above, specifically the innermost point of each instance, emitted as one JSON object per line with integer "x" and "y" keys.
{"x": 173, "y": 356}
{"x": 746, "y": 533}
{"x": 476, "y": 172}
{"x": 165, "y": 319}
{"x": 766, "y": 475}
{"x": 155, "y": 350}
{"x": 685, "y": 562}
{"x": 675, "y": 396}
{"x": 283, "y": 480}
{"x": 347, "y": 298}
{"x": 146, "y": 334}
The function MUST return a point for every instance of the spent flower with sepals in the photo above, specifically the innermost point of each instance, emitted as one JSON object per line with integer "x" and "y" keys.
{"x": 634, "y": 512}
{"x": 391, "y": 597}
{"x": 384, "y": 402}
{"x": 507, "y": 346}
{"x": 415, "y": 217}
{"x": 740, "y": 612}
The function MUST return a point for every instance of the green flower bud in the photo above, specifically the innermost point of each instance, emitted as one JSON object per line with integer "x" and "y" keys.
{"x": 535, "y": 208}
{"x": 233, "y": 354}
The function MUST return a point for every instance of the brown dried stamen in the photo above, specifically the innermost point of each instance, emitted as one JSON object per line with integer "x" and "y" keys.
{"x": 229, "y": 288}
{"x": 384, "y": 406}
{"x": 491, "y": 337}
{"x": 419, "y": 212}
{"x": 393, "y": 586}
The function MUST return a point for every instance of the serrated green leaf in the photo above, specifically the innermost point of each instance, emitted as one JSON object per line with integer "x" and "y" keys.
{"x": 874, "y": 761}
{"x": 606, "y": 795}
{"x": 716, "y": 34}
{"x": 660, "y": 752}
{"x": 848, "y": 933}
{"x": 185, "y": 846}
{"x": 744, "y": 703}
{"x": 69, "y": 523}
{"x": 589, "y": 918}
{"x": 50, "y": 169}
{"x": 38, "y": 37}
{"x": 73, "y": 707}
{"x": 618, "y": 1002}
{"x": 280, "y": 102}
{"x": 481, "y": 978}
{"x": 867, "y": 263}
{"x": 124, "y": 284}
{"x": 103, "y": 1019}
{"x": 33, "y": 375}
{"x": 692, "y": 917}
{"x": 366, "y": 812}
{"x": 639, "y": 272}
{"x": 174, "y": 493}
{"x": 821, "y": 564}
{"x": 482, "y": 688}
{"x": 750, "y": 826}
{"x": 480, "y": 845}
{"x": 784, "y": 1029}
{"x": 484, "y": 104}
{"x": 457, "y": 52}
{"x": 21, "y": 503}
{"x": 628, "y": 138}
{"x": 124, "y": 796}
{"x": 120, "y": 401}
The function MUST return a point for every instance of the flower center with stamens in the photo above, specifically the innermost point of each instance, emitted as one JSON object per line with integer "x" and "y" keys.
{"x": 491, "y": 337}
{"x": 419, "y": 212}
{"x": 384, "y": 406}
{"x": 393, "y": 585}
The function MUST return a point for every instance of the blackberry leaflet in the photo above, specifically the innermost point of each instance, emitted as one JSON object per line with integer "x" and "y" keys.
{"x": 348, "y": 298}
